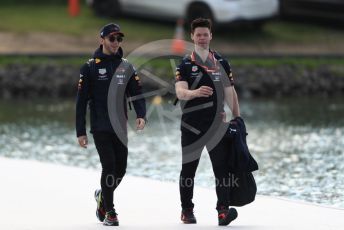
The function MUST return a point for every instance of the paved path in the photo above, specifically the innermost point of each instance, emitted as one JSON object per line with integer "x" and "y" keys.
{"x": 38, "y": 195}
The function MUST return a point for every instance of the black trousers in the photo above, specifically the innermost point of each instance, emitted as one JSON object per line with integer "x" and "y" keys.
{"x": 219, "y": 158}
{"x": 113, "y": 156}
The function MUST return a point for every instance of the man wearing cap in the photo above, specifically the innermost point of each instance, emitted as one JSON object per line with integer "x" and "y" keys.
{"x": 93, "y": 88}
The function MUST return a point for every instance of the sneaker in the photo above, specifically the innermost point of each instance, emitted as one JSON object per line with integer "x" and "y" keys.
{"x": 111, "y": 218}
{"x": 100, "y": 211}
{"x": 226, "y": 216}
{"x": 188, "y": 216}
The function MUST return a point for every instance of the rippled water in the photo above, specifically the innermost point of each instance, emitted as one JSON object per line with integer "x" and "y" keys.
{"x": 297, "y": 143}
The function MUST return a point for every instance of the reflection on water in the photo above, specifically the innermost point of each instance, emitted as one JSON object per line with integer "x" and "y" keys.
{"x": 297, "y": 143}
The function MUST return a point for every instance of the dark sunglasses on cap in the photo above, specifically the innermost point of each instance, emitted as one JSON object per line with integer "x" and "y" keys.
{"x": 115, "y": 38}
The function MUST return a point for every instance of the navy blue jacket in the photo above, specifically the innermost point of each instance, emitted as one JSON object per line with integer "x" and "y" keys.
{"x": 240, "y": 164}
{"x": 240, "y": 158}
{"x": 93, "y": 88}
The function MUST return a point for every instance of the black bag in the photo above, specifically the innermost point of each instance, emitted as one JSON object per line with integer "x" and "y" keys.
{"x": 241, "y": 164}
{"x": 239, "y": 156}
{"x": 243, "y": 189}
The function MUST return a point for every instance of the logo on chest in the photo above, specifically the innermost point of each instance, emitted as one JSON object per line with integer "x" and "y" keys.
{"x": 195, "y": 71}
{"x": 102, "y": 74}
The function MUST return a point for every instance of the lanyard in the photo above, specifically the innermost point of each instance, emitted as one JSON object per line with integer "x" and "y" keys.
{"x": 206, "y": 68}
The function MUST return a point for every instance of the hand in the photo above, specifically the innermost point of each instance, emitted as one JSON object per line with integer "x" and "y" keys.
{"x": 83, "y": 141}
{"x": 140, "y": 123}
{"x": 204, "y": 91}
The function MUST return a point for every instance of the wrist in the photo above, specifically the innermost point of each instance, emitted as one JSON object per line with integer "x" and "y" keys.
{"x": 193, "y": 93}
{"x": 144, "y": 118}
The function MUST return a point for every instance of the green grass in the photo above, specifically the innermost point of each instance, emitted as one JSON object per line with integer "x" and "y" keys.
{"x": 303, "y": 33}
{"x": 54, "y": 18}
{"x": 26, "y": 60}
{"x": 285, "y": 32}
{"x": 50, "y": 18}
{"x": 299, "y": 61}
{"x": 17, "y": 2}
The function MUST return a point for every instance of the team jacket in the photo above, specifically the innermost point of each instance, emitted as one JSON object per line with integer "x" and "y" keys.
{"x": 215, "y": 73}
{"x": 93, "y": 88}
{"x": 240, "y": 158}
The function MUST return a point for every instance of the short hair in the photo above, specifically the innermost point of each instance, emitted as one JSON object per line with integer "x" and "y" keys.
{"x": 200, "y": 22}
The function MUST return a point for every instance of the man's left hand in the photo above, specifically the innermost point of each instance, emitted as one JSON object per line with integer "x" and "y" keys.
{"x": 140, "y": 123}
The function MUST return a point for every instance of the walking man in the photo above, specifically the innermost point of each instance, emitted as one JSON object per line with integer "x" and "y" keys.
{"x": 93, "y": 88}
{"x": 203, "y": 83}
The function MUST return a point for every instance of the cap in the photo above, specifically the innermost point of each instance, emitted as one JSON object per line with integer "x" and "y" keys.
{"x": 110, "y": 28}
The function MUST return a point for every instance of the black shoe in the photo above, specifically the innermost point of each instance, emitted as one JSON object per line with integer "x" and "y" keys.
{"x": 226, "y": 216}
{"x": 100, "y": 211}
{"x": 111, "y": 218}
{"x": 188, "y": 216}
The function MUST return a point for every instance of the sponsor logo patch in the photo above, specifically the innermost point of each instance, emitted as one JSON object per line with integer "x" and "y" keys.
{"x": 102, "y": 71}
